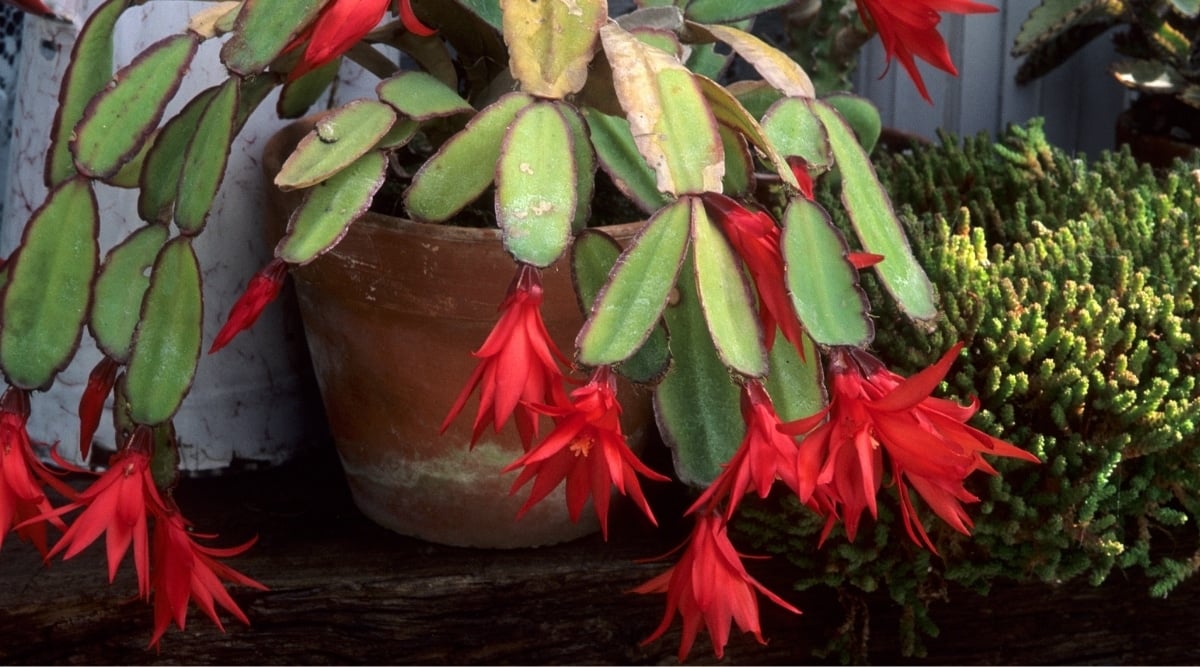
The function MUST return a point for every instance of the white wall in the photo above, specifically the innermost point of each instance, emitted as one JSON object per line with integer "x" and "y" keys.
{"x": 1079, "y": 99}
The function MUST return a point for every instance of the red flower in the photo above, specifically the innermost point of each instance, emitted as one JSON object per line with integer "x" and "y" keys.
{"x": 926, "y": 439}
{"x": 587, "y": 449}
{"x": 116, "y": 504}
{"x": 908, "y": 28}
{"x": 181, "y": 569}
{"x": 23, "y": 505}
{"x": 800, "y": 170}
{"x": 755, "y": 237}
{"x": 339, "y": 26}
{"x": 261, "y": 291}
{"x": 766, "y": 454}
{"x": 709, "y": 584}
{"x": 517, "y": 364}
{"x": 91, "y": 404}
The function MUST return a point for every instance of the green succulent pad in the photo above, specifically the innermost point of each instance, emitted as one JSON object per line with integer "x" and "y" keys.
{"x": 1076, "y": 288}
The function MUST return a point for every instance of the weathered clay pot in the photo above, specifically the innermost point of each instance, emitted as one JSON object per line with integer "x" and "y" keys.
{"x": 391, "y": 315}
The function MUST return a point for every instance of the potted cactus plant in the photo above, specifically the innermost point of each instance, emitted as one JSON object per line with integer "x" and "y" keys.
{"x": 736, "y": 302}
{"x": 1160, "y": 44}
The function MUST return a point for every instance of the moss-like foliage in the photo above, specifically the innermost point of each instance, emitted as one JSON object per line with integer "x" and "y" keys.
{"x": 1076, "y": 288}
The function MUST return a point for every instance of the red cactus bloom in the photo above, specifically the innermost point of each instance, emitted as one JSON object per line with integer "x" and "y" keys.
{"x": 766, "y": 454}
{"x": 339, "y": 26}
{"x": 755, "y": 237}
{"x": 181, "y": 570}
{"x": 23, "y": 503}
{"x": 800, "y": 170}
{"x": 588, "y": 450}
{"x": 710, "y": 584}
{"x": 91, "y": 404}
{"x": 873, "y": 411}
{"x": 863, "y": 260}
{"x": 908, "y": 29}
{"x": 117, "y": 504}
{"x": 261, "y": 291}
{"x": 518, "y": 364}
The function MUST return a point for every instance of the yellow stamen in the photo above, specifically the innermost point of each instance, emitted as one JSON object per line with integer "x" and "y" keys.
{"x": 581, "y": 446}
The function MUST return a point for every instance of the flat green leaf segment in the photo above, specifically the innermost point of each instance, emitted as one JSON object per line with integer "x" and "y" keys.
{"x": 875, "y": 221}
{"x": 726, "y": 298}
{"x": 207, "y": 155}
{"x": 119, "y": 119}
{"x": 775, "y": 67}
{"x": 50, "y": 284}
{"x": 89, "y": 72}
{"x": 862, "y": 116}
{"x": 550, "y": 44}
{"x": 273, "y": 24}
{"x": 298, "y": 96}
{"x": 793, "y": 128}
{"x": 336, "y": 141}
{"x": 672, "y": 126}
{"x": 330, "y": 208}
{"x": 167, "y": 340}
{"x": 465, "y": 165}
{"x": 593, "y": 255}
{"x": 620, "y": 159}
{"x": 796, "y": 384}
{"x": 120, "y": 288}
{"x": 638, "y": 289}
{"x": 696, "y": 404}
{"x": 163, "y": 164}
{"x": 822, "y": 282}
{"x": 739, "y": 176}
{"x": 730, "y": 113}
{"x": 727, "y": 11}
{"x": 584, "y": 158}
{"x": 488, "y": 10}
{"x": 421, "y": 96}
{"x": 1188, "y": 8}
{"x": 1051, "y": 18}
{"x": 535, "y": 185}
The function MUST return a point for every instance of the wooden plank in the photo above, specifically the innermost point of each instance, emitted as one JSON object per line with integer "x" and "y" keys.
{"x": 344, "y": 591}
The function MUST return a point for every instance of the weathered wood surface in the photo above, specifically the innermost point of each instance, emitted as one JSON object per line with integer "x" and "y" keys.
{"x": 346, "y": 592}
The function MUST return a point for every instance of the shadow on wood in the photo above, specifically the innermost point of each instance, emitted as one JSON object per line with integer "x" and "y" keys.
{"x": 344, "y": 591}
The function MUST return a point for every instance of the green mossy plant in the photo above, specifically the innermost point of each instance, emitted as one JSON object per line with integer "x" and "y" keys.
{"x": 1076, "y": 288}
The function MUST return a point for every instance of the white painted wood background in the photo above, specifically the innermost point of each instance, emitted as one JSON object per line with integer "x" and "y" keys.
{"x": 1079, "y": 99}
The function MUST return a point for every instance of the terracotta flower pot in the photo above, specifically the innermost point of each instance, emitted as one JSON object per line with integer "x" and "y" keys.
{"x": 1156, "y": 149}
{"x": 392, "y": 315}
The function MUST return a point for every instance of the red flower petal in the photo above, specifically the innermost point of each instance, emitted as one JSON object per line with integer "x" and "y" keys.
{"x": 588, "y": 451}
{"x": 184, "y": 570}
{"x": 800, "y": 170}
{"x": 918, "y": 387}
{"x": 261, "y": 291}
{"x": 709, "y": 585}
{"x": 341, "y": 24}
{"x": 908, "y": 30}
{"x": 518, "y": 365}
{"x": 91, "y": 404}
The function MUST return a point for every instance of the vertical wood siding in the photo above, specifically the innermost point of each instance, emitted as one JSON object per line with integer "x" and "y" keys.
{"x": 1080, "y": 100}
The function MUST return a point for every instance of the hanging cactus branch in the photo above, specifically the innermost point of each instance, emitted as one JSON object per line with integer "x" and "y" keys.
{"x": 1076, "y": 289}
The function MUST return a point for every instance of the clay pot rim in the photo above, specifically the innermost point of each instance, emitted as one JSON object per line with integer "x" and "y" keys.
{"x": 388, "y": 224}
